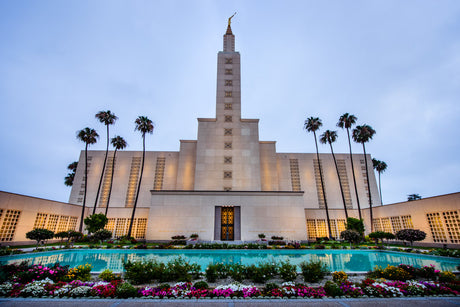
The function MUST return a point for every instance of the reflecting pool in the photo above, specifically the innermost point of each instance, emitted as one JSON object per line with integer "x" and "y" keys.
{"x": 336, "y": 260}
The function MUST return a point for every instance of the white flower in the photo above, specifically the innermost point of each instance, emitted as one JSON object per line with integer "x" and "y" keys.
{"x": 80, "y": 291}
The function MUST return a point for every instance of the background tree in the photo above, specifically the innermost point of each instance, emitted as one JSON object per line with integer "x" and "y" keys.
{"x": 39, "y": 234}
{"x": 88, "y": 136}
{"x": 68, "y": 180}
{"x": 411, "y": 235}
{"x": 380, "y": 235}
{"x": 362, "y": 134}
{"x": 118, "y": 143}
{"x": 143, "y": 125}
{"x": 107, "y": 118}
{"x": 101, "y": 235}
{"x": 351, "y": 236}
{"x": 347, "y": 121}
{"x": 329, "y": 137}
{"x": 380, "y": 167}
{"x": 312, "y": 124}
{"x": 412, "y": 197}
{"x": 95, "y": 222}
{"x": 356, "y": 225}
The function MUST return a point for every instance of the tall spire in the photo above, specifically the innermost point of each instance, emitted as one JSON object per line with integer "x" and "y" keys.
{"x": 229, "y": 38}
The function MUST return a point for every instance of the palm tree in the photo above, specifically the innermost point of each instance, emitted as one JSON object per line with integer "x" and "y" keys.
{"x": 119, "y": 143}
{"x": 143, "y": 125}
{"x": 347, "y": 121}
{"x": 362, "y": 134}
{"x": 380, "y": 167}
{"x": 88, "y": 136}
{"x": 107, "y": 118}
{"x": 329, "y": 137}
{"x": 311, "y": 125}
{"x": 68, "y": 180}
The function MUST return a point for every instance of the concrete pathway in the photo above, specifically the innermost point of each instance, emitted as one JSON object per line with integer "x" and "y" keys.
{"x": 352, "y": 302}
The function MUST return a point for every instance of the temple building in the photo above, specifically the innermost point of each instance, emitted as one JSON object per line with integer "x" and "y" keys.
{"x": 227, "y": 185}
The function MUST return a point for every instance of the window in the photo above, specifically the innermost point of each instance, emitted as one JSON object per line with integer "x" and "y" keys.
{"x": 295, "y": 176}
{"x": 228, "y": 61}
{"x": 407, "y": 221}
{"x": 52, "y": 222}
{"x": 63, "y": 221}
{"x": 9, "y": 225}
{"x": 228, "y": 131}
{"x": 228, "y": 106}
{"x": 319, "y": 187}
{"x": 72, "y": 223}
{"x": 228, "y": 82}
{"x": 227, "y": 175}
{"x": 452, "y": 221}
{"x": 40, "y": 220}
{"x": 132, "y": 183}
{"x": 228, "y": 94}
{"x": 159, "y": 173}
{"x": 229, "y": 72}
{"x": 227, "y": 189}
{"x": 228, "y": 145}
{"x": 228, "y": 118}
{"x": 377, "y": 225}
{"x": 396, "y": 223}
{"x": 436, "y": 227}
{"x": 228, "y": 160}
{"x": 141, "y": 228}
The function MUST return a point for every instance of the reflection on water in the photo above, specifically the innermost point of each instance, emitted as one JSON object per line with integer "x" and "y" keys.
{"x": 336, "y": 260}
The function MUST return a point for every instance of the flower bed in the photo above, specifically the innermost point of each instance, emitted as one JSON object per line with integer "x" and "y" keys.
{"x": 23, "y": 280}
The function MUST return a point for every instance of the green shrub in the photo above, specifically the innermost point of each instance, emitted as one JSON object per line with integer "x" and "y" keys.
{"x": 179, "y": 269}
{"x": 313, "y": 271}
{"x": 39, "y": 234}
{"x": 237, "y": 271}
{"x": 332, "y": 289}
{"x": 164, "y": 286}
{"x": 95, "y": 222}
{"x": 411, "y": 235}
{"x": 126, "y": 290}
{"x": 446, "y": 276}
{"x": 201, "y": 285}
{"x": 108, "y": 275}
{"x": 270, "y": 286}
{"x": 139, "y": 272}
{"x": 262, "y": 272}
{"x": 351, "y": 236}
{"x": 211, "y": 272}
{"x": 287, "y": 271}
{"x": 428, "y": 272}
{"x": 339, "y": 276}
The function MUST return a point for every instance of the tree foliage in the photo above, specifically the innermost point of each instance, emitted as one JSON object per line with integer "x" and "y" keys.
{"x": 356, "y": 225}
{"x": 40, "y": 234}
{"x": 411, "y": 235}
{"x": 95, "y": 222}
{"x": 380, "y": 235}
{"x": 102, "y": 235}
{"x": 351, "y": 236}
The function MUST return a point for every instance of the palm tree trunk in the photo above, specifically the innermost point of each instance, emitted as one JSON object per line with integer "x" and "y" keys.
{"x": 138, "y": 186}
{"x": 111, "y": 182}
{"x": 380, "y": 190}
{"x": 322, "y": 186}
{"x": 354, "y": 177}
{"x": 80, "y": 229}
{"x": 102, "y": 172}
{"x": 340, "y": 182}
{"x": 369, "y": 190}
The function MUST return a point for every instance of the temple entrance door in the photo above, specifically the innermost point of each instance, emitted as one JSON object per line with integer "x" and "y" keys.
{"x": 227, "y": 223}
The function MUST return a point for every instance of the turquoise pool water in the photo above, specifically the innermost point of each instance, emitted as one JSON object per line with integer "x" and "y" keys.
{"x": 336, "y": 260}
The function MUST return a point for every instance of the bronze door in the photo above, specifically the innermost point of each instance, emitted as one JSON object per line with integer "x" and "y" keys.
{"x": 227, "y": 223}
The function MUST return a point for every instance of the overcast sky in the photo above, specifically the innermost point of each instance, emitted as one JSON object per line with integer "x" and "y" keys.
{"x": 393, "y": 64}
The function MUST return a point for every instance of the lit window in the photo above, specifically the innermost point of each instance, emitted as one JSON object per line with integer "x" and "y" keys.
{"x": 228, "y": 118}
{"x": 228, "y": 160}
{"x": 228, "y": 94}
{"x": 227, "y": 175}
{"x": 228, "y": 60}
{"x": 228, "y": 145}
{"x": 228, "y": 106}
{"x": 228, "y": 131}
{"x": 229, "y": 72}
{"x": 227, "y": 189}
{"x": 228, "y": 82}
